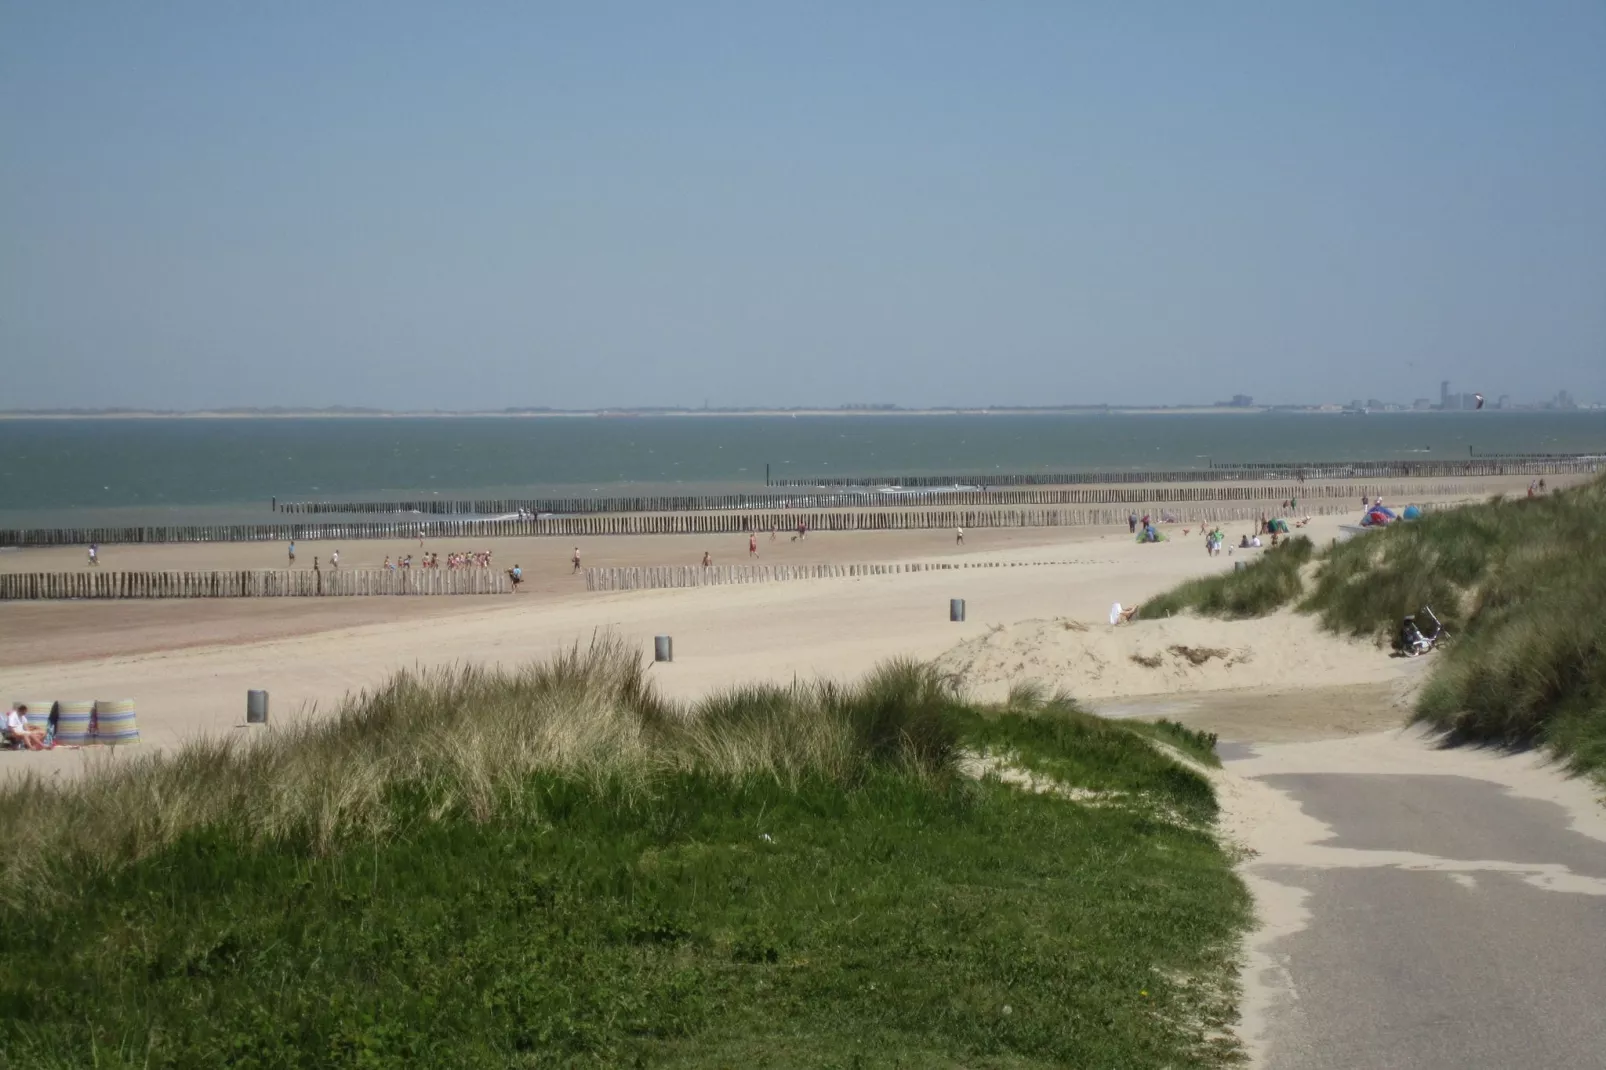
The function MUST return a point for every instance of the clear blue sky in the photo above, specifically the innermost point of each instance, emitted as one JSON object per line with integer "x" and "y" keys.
{"x": 421, "y": 205}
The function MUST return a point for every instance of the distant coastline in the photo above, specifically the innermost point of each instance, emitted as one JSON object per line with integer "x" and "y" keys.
{"x": 644, "y": 413}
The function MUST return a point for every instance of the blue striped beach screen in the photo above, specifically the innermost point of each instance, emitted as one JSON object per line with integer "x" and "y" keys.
{"x": 114, "y": 721}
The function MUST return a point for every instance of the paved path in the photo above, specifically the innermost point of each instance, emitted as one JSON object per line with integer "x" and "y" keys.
{"x": 1423, "y": 908}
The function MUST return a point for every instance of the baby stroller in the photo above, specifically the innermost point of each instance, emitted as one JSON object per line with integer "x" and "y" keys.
{"x": 1415, "y": 639}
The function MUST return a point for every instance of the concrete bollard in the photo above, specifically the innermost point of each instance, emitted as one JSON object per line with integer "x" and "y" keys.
{"x": 956, "y": 609}
{"x": 663, "y": 648}
{"x": 256, "y": 707}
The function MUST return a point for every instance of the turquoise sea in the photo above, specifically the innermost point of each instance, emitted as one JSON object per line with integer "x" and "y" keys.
{"x": 78, "y": 471}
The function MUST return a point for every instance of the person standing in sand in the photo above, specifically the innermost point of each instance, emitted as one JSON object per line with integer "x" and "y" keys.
{"x": 334, "y": 559}
{"x": 1132, "y": 523}
{"x": 576, "y": 560}
{"x": 752, "y": 545}
{"x": 708, "y": 559}
{"x": 94, "y": 555}
{"x": 959, "y": 536}
{"x": 292, "y": 553}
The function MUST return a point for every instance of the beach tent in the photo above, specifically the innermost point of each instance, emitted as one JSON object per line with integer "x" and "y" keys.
{"x": 1411, "y": 512}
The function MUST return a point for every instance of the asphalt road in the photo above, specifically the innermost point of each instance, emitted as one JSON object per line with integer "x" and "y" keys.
{"x": 1452, "y": 924}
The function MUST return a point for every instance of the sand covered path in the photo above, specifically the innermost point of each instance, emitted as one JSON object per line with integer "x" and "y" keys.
{"x": 1420, "y": 907}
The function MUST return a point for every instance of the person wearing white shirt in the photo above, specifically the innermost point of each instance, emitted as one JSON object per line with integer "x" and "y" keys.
{"x": 20, "y": 733}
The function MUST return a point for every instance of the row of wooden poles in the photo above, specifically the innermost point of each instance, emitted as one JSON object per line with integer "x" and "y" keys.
{"x": 652, "y": 577}
{"x": 1474, "y": 458}
{"x": 254, "y": 583}
{"x": 878, "y": 519}
{"x": 1570, "y": 465}
{"x": 1250, "y": 491}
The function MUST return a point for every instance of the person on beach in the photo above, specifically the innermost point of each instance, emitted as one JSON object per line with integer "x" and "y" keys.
{"x": 292, "y": 553}
{"x": 1541, "y": 486}
{"x": 1132, "y": 523}
{"x": 708, "y": 559}
{"x": 516, "y": 574}
{"x": 94, "y": 555}
{"x": 752, "y": 545}
{"x": 959, "y": 536}
{"x": 19, "y": 733}
{"x": 334, "y": 559}
{"x": 1121, "y": 616}
{"x": 386, "y": 566}
{"x": 576, "y": 560}
{"x": 772, "y": 533}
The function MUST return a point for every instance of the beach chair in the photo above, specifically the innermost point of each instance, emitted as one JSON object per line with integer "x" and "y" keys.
{"x": 114, "y": 721}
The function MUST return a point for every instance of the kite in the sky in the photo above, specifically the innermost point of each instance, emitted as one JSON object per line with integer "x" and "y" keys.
{"x": 1480, "y": 401}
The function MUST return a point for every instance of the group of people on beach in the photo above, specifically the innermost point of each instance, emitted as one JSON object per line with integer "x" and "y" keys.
{"x": 469, "y": 559}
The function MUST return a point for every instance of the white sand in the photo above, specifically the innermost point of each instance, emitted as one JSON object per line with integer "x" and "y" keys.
{"x": 723, "y": 635}
{"x": 1164, "y": 657}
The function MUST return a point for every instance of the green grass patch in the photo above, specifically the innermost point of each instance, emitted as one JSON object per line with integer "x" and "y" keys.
{"x": 1268, "y": 583}
{"x": 776, "y": 877}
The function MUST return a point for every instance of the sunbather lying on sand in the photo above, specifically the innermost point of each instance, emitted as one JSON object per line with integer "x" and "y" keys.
{"x": 1121, "y": 616}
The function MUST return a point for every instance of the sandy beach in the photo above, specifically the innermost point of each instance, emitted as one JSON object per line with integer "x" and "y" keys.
{"x": 188, "y": 665}
{"x": 1287, "y": 700}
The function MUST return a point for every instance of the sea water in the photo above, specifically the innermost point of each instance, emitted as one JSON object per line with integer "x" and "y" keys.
{"x": 195, "y": 470}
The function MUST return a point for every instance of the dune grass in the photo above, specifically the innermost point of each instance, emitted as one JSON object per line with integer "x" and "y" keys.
{"x": 1519, "y": 583}
{"x": 1265, "y": 585}
{"x": 580, "y": 873}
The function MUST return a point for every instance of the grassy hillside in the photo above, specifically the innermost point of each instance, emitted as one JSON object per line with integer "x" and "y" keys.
{"x": 1520, "y": 583}
{"x": 1265, "y": 584}
{"x": 556, "y": 867}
